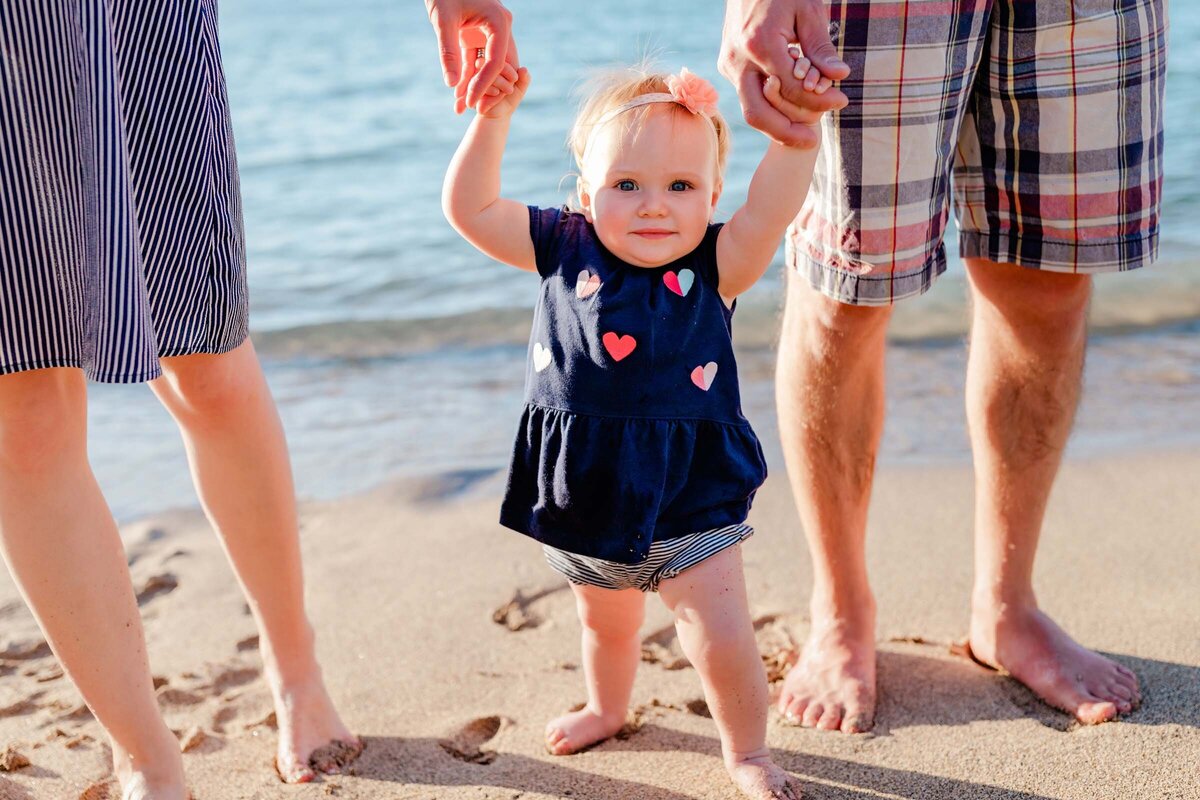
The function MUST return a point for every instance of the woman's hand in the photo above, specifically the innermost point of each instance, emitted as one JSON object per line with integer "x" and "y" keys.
{"x": 505, "y": 93}
{"x": 466, "y": 28}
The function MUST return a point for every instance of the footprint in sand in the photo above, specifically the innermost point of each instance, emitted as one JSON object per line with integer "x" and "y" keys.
{"x": 157, "y": 585}
{"x": 231, "y": 677}
{"x": 776, "y": 646}
{"x": 469, "y": 742}
{"x": 16, "y": 705}
{"x": 334, "y": 757}
{"x": 12, "y": 759}
{"x": 517, "y": 614}
{"x": 171, "y": 697}
{"x": 104, "y": 790}
{"x": 26, "y": 651}
{"x": 662, "y": 648}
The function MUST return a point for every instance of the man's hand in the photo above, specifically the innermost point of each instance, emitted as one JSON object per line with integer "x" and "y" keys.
{"x": 463, "y": 27}
{"x": 755, "y": 44}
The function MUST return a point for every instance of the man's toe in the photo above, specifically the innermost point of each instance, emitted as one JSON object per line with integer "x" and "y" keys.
{"x": 812, "y": 715}
{"x": 831, "y": 719}
{"x": 795, "y": 710}
{"x": 1095, "y": 711}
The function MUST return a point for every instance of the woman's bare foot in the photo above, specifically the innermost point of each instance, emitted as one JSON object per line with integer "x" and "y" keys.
{"x": 580, "y": 729}
{"x": 759, "y": 778}
{"x": 312, "y": 737}
{"x": 158, "y": 777}
{"x": 1030, "y": 647}
{"x": 832, "y": 686}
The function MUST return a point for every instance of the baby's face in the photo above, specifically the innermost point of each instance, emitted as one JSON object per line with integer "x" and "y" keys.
{"x": 650, "y": 191}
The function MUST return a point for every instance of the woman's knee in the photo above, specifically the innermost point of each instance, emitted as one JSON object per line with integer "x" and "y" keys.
{"x": 207, "y": 386}
{"x": 43, "y": 417}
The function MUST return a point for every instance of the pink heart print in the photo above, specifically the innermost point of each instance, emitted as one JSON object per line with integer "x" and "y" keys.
{"x": 618, "y": 346}
{"x": 680, "y": 283}
{"x": 586, "y": 285}
{"x": 703, "y": 376}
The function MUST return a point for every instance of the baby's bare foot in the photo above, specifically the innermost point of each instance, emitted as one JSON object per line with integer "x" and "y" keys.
{"x": 1033, "y": 649}
{"x": 832, "y": 687}
{"x": 759, "y": 778}
{"x": 573, "y": 732}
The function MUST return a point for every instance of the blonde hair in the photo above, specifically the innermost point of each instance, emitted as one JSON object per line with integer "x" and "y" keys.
{"x": 615, "y": 87}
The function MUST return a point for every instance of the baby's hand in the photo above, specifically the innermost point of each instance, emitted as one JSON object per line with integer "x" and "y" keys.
{"x": 501, "y": 99}
{"x": 812, "y": 81}
{"x": 804, "y": 70}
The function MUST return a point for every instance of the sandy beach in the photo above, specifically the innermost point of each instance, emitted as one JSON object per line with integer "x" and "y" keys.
{"x": 449, "y": 643}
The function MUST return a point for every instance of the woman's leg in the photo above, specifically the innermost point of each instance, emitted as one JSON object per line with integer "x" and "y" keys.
{"x": 58, "y": 538}
{"x": 239, "y": 460}
{"x": 611, "y": 620}
{"x": 712, "y": 619}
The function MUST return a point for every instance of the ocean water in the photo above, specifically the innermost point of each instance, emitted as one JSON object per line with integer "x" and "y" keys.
{"x": 395, "y": 349}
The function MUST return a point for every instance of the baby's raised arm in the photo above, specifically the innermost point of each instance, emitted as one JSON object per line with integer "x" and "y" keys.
{"x": 471, "y": 200}
{"x": 749, "y": 240}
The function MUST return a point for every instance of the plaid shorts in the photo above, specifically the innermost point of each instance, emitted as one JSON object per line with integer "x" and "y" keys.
{"x": 1049, "y": 115}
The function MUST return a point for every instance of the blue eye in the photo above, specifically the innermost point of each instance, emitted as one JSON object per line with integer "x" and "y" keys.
{"x": 626, "y": 185}
{"x": 680, "y": 186}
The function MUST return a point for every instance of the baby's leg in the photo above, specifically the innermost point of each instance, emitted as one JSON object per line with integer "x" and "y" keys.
{"x": 611, "y": 652}
{"x": 712, "y": 618}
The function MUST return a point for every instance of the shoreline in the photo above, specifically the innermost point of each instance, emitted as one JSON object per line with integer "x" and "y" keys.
{"x": 405, "y": 583}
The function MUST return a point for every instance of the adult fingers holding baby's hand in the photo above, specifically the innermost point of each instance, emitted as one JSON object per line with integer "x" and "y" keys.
{"x": 758, "y": 40}
{"x": 794, "y": 113}
{"x": 503, "y": 103}
{"x": 504, "y": 82}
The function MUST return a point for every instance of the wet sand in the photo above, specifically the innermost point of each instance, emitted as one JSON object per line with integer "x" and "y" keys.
{"x": 449, "y": 643}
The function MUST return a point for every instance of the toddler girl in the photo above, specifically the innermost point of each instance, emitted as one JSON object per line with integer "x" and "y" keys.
{"x": 633, "y": 465}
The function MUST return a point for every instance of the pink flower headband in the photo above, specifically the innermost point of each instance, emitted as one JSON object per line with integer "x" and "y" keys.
{"x": 686, "y": 89}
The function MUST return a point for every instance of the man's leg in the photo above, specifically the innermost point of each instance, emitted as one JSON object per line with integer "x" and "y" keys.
{"x": 829, "y": 393}
{"x": 1028, "y": 335}
{"x": 61, "y": 543}
{"x": 240, "y": 465}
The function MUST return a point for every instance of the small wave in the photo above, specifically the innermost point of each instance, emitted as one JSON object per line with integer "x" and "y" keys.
{"x": 756, "y": 326}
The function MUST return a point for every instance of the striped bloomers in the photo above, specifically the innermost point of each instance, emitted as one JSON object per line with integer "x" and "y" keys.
{"x": 1048, "y": 115}
{"x": 120, "y": 216}
{"x": 668, "y": 558}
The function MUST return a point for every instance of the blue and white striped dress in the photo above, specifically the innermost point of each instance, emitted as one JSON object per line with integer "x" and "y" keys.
{"x": 121, "y": 236}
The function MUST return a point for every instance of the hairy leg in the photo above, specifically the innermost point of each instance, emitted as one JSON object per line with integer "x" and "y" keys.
{"x": 712, "y": 619}
{"x": 612, "y": 650}
{"x": 1029, "y": 332}
{"x": 239, "y": 460}
{"x": 830, "y": 396}
{"x": 59, "y": 539}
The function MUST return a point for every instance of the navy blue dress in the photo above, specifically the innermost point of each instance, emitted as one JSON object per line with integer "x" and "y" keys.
{"x": 633, "y": 429}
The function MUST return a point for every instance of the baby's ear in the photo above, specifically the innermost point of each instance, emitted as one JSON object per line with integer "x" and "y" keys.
{"x": 716, "y": 195}
{"x": 585, "y": 199}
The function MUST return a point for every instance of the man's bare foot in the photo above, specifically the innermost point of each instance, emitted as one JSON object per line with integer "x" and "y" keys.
{"x": 759, "y": 778}
{"x": 312, "y": 737}
{"x": 161, "y": 780}
{"x": 832, "y": 686}
{"x": 1030, "y": 647}
{"x": 580, "y": 729}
